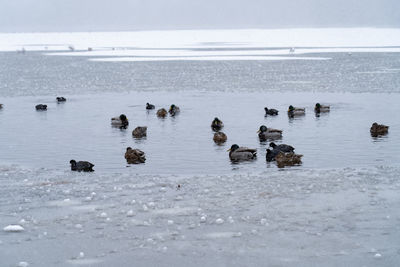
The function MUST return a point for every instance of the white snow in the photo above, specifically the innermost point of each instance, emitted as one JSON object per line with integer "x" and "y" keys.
{"x": 13, "y": 228}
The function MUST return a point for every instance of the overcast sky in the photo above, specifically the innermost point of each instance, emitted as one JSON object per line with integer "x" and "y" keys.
{"x": 114, "y": 15}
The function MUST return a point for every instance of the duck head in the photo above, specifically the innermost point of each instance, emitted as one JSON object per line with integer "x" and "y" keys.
{"x": 123, "y": 118}
{"x": 272, "y": 144}
{"x": 318, "y": 106}
{"x": 262, "y": 129}
{"x": 128, "y": 149}
{"x": 72, "y": 162}
{"x": 233, "y": 147}
{"x": 172, "y": 107}
{"x": 291, "y": 108}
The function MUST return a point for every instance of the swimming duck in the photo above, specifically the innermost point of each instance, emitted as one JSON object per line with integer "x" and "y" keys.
{"x": 220, "y": 138}
{"x": 41, "y": 107}
{"x": 79, "y": 166}
{"x": 288, "y": 159}
{"x": 217, "y": 124}
{"x": 61, "y": 99}
{"x": 140, "y": 131}
{"x": 134, "y": 156}
{"x": 121, "y": 121}
{"x": 150, "y": 106}
{"x": 161, "y": 113}
{"x": 237, "y": 153}
{"x": 321, "y": 108}
{"x": 265, "y": 133}
{"x": 294, "y": 112}
{"x": 174, "y": 110}
{"x": 281, "y": 147}
{"x": 271, "y": 154}
{"x": 271, "y": 111}
{"x": 378, "y": 129}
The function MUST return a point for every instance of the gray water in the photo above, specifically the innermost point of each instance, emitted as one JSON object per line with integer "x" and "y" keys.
{"x": 338, "y": 208}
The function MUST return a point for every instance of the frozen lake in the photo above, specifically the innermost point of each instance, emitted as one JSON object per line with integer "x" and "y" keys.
{"x": 339, "y": 208}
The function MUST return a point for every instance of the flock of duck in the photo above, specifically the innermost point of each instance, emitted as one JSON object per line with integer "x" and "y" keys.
{"x": 282, "y": 154}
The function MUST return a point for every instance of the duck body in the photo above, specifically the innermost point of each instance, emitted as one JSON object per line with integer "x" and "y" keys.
{"x": 121, "y": 121}
{"x": 134, "y": 156}
{"x": 140, "y": 131}
{"x": 162, "y": 112}
{"x": 295, "y": 112}
{"x": 220, "y": 138}
{"x": 217, "y": 124}
{"x": 282, "y": 147}
{"x": 237, "y": 153}
{"x": 41, "y": 107}
{"x": 271, "y": 111}
{"x": 288, "y": 159}
{"x": 80, "y": 166}
{"x": 378, "y": 129}
{"x": 174, "y": 110}
{"x": 321, "y": 108}
{"x": 150, "y": 106}
{"x": 61, "y": 99}
{"x": 265, "y": 133}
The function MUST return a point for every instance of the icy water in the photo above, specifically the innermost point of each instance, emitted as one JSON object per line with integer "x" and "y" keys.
{"x": 339, "y": 208}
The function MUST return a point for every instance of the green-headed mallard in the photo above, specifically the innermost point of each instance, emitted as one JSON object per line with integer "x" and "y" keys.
{"x": 217, "y": 124}
{"x": 121, "y": 121}
{"x": 134, "y": 156}
{"x": 41, "y": 107}
{"x": 270, "y": 111}
{"x": 162, "y": 112}
{"x": 140, "y": 131}
{"x": 237, "y": 153}
{"x": 321, "y": 108}
{"x": 288, "y": 159}
{"x": 80, "y": 166}
{"x": 150, "y": 106}
{"x": 294, "y": 112}
{"x": 174, "y": 110}
{"x": 378, "y": 129}
{"x": 281, "y": 147}
{"x": 265, "y": 133}
{"x": 220, "y": 138}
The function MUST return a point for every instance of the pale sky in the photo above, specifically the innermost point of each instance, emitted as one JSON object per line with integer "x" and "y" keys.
{"x": 123, "y": 15}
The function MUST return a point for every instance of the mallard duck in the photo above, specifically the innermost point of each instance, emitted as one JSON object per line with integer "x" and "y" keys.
{"x": 79, "y": 166}
{"x": 140, "y": 131}
{"x": 61, "y": 99}
{"x": 121, "y": 121}
{"x": 161, "y": 113}
{"x": 41, "y": 107}
{"x": 134, "y": 156}
{"x": 271, "y": 111}
{"x": 150, "y": 106}
{"x": 217, "y": 124}
{"x": 271, "y": 154}
{"x": 288, "y": 159}
{"x": 237, "y": 153}
{"x": 220, "y": 138}
{"x": 321, "y": 108}
{"x": 378, "y": 129}
{"x": 265, "y": 133}
{"x": 281, "y": 147}
{"x": 294, "y": 112}
{"x": 174, "y": 110}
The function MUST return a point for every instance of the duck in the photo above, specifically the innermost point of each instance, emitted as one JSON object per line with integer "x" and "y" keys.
{"x": 237, "y": 153}
{"x": 321, "y": 108}
{"x": 1, "y": 106}
{"x": 378, "y": 129}
{"x": 134, "y": 156}
{"x": 79, "y": 166}
{"x": 140, "y": 131}
{"x": 61, "y": 99}
{"x": 174, "y": 110}
{"x": 217, "y": 124}
{"x": 281, "y": 147}
{"x": 294, "y": 112}
{"x": 270, "y": 111}
{"x": 162, "y": 112}
{"x": 41, "y": 107}
{"x": 220, "y": 138}
{"x": 265, "y": 133}
{"x": 271, "y": 154}
{"x": 288, "y": 159}
{"x": 121, "y": 121}
{"x": 150, "y": 106}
